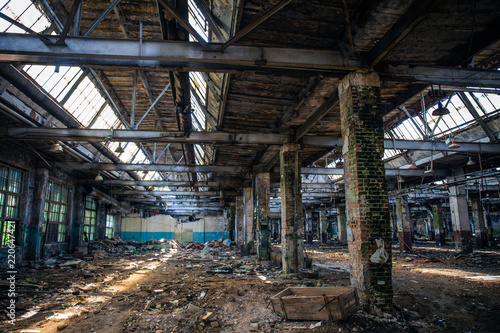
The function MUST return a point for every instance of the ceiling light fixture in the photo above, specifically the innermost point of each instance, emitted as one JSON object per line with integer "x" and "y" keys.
{"x": 98, "y": 178}
{"x": 453, "y": 145}
{"x": 471, "y": 162}
{"x": 119, "y": 149}
{"x": 440, "y": 110}
{"x": 412, "y": 165}
{"x": 400, "y": 179}
{"x": 56, "y": 148}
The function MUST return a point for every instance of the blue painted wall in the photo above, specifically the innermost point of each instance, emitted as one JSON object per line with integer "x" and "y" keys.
{"x": 145, "y": 236}
{"x": 208, "y": 236}
{"x": 197, "y": 236}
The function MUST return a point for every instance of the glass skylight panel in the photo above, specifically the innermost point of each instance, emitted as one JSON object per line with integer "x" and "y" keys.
{"x": 136, "y": 154}
{"x": 25, "y": 12}
{"x": 197, "y": 21}
{"x": 107, "y": 119}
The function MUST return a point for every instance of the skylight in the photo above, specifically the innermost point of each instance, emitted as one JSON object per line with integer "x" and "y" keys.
{"x": 72, "y": 87}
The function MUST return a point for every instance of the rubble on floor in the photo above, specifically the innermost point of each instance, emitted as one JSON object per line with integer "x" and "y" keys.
{"x": 214, "y": 289}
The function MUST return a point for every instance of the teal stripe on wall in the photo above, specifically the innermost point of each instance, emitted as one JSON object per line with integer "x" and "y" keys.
{"x": 145, "y": 236}
{"x": 208, "y": 236}
{"x": 197, "y": 236}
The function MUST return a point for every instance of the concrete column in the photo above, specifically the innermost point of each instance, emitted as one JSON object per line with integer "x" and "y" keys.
{"x": 403, "y": 222}
{"x": 308, "y": 227}
{"x": 341, "y": 224}
{"x": 394, "y": 221}
{"x": 323, "y": 226}
{"x": 263, "y": 187}
{"x": 232, "y": 221}
{"x": 292, "y": 230}
{"x": 248, "y": 238}
{"x": 34, "y": 231}
{"x": 460, "y": 218}
{"x": 367, "y": 205}
{"x": 437, "y": 212}
{"x": 479, "y": 226}
{"x": 239, "y": 221}
{"x": 430, "y": 220}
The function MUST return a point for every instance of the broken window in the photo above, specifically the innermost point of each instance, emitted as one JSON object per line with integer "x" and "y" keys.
{"x": 56, "y": 213}
{"x": 11, "y": 185}
{"x": 89, "y": 219}
{"x": 110, "y": 225}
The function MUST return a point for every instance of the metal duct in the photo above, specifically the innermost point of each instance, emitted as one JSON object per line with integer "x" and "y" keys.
{"x": 94, "y": 193}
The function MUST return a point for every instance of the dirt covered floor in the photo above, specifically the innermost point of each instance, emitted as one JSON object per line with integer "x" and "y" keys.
{"x": 205, "y": 289}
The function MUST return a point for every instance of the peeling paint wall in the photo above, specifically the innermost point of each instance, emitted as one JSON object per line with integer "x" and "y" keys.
{"x": 164, "y": 226}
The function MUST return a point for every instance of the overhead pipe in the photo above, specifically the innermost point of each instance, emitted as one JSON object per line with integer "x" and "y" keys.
{"x": 94, "y": 193}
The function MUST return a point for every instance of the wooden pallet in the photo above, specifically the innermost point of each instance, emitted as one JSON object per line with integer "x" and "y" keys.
{"x": 316, "y": 303}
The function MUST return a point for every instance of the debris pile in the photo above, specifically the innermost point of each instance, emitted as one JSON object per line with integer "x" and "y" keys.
{"x": 117, "y": 245}
{"x": 222, "y": 244}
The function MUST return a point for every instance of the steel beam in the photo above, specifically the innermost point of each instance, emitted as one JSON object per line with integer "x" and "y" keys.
{"x": 233, "y": 170}
{"x": 181, "y": 55}
{"x": 477, "y": 117}
{"x": 188, "y": 193}
{"x": 406, "y": 23}
{"x": 240, "y": 34}
{"x": 461, "y": 77}
{"x": 120, "y": 182}
{"x": 99, "y": 135}
{"x": 143, "y": 136}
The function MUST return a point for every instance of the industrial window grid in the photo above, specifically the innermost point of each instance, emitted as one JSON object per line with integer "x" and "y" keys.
{"x": 110, "y": 225}
{"x": 89, "y": 219}
{"x": 11, "y": 186}
{"x": 56, "y": 213}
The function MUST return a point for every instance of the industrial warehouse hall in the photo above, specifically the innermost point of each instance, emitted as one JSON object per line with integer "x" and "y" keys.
{"x": 249, "y": 166}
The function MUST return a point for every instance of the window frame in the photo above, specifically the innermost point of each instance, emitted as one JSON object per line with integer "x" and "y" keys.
{"x": 57, "y": 211}
{"x": 89, "y": 223}
{"x": 11, "y": 192}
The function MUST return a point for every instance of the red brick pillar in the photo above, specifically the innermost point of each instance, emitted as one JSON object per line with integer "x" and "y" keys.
{"x": 367, "y": 206}
{"x": 292, "y": 227}
{"x": 403, "y": 222}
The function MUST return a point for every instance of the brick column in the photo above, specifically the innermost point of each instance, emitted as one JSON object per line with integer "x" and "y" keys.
{"x": 341, "y": 225}
{"x": 460, "y": 218}
{"x": 368, "y": 225}
{"x": 437, "y": 213}
{"x": 239, "y": 221}
{"x": 292, "y": 228}
{"x": 323, "y": 226}
{"x": 263, "y": 187}
{"x": 403, "y": 222}
{"x": 248, "y": 238}
{"x": 479, "y": 226}
{"x": 35, "y": 232}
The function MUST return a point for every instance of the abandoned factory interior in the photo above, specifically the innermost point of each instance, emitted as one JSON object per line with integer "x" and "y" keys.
{"x": 249, "y": 166}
